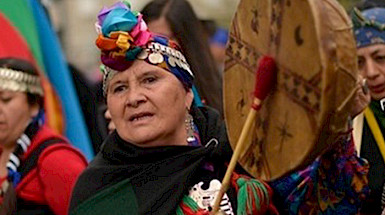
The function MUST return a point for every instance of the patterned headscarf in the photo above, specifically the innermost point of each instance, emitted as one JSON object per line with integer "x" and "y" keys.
{"x": 369, "y": 26}
{"x": 124, "y": 38}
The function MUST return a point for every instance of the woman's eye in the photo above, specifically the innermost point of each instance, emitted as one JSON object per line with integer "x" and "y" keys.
{"x": 6, "y": 99}
{"x": 361, "y": 63}
{"x": 148, "y": 80}
{"x": 380, "y": 58}
{"x": 119, "y": 89}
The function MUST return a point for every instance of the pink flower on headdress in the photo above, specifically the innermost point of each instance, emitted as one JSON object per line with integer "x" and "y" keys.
{"x": 140, "y": 32}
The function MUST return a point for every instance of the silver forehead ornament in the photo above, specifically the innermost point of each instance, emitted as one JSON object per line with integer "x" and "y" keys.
{"x": 19, "y": 81}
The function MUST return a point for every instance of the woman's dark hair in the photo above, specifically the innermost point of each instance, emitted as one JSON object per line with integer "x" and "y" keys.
{"x": 26, "y": 67}
{"x": 189, "y": 33}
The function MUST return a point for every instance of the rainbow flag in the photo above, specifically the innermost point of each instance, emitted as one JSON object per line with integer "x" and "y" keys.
{"x": 25, "y": 31}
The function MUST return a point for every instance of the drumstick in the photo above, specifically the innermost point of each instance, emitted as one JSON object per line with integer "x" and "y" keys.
{"x": 265, "y": 79}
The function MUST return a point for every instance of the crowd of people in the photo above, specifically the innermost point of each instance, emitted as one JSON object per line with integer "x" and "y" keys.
{"x": 166, "y": 149}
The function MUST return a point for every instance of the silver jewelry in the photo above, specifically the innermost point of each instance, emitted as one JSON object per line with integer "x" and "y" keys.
{"x": 142, "y": 55}
{"x": 155, "y": 58}
{"x": 20, "y": 81}
{"x": 382, "y": 103}
{"x": 108, "y": 73}
{"x": 365, "y": 87}
{"x": 175, "y": 57}
{"x": 171, "y": 61}
{"x": 190, "y": 128}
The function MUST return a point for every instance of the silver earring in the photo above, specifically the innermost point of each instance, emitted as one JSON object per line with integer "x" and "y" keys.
{"x": 190, "y": 128}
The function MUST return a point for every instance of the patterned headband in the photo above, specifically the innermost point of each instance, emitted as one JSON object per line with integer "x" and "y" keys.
{"x": 19, "y": 81}
{"x": 369, "y": 26}
{"x": 124, "y": 37}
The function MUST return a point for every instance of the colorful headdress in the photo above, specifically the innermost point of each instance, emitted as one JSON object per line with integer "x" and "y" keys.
{"x": 369, "y": 26}
{"x": 20, "y": 81}
{"x": 124, "y": 37}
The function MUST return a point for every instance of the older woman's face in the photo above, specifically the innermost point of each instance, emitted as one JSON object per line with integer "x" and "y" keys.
{"x": 371, "y": 63}
{"x": 15, "y": 114}
{"x": 148, "y": 105}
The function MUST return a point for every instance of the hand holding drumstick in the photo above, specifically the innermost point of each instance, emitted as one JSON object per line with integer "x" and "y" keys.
{"x": 265, "y": 80}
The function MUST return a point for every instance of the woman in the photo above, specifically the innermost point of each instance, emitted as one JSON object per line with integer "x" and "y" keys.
{"x": 165, "y": 156}
{"x": 177, "y": 20}
{"x": 38, "y": 167}
{"x": 170, "y": 18}
{"x": 369, "y": 129}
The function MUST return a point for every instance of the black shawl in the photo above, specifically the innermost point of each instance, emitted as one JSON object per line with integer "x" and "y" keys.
{"x": 157, "y": 177}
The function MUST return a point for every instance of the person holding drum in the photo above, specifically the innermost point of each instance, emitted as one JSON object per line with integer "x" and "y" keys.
{"x": 369, "y": 127}
{"x": 301, "y": 141}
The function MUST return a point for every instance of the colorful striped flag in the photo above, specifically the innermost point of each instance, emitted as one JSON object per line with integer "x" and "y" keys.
{"x": 31, "y": 23}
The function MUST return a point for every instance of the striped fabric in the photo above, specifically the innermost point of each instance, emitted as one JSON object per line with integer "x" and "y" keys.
{"x": 21, "y": 148}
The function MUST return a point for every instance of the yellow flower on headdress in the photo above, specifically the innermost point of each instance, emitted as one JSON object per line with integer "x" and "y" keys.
{"x": 123, "y": 39}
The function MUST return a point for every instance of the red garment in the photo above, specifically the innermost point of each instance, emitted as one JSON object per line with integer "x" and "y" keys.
{"x": 52, "y": 181}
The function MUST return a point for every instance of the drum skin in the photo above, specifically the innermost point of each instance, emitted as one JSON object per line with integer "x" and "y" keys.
{"x": 314, "y": 48}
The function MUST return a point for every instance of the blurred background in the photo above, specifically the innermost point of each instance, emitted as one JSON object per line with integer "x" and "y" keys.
{"x": 74, "y": 22}
{"x": 78, "y": 110}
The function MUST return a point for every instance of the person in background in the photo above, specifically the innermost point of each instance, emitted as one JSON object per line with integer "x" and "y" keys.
{"x": 218, "y": 37}
{"x": 38, "y": 167}
{"x": 90, "y": 105}
{"x": 177, "y": 20}
{"x": 218, "y": 43}
{"x": 369, "y": 127}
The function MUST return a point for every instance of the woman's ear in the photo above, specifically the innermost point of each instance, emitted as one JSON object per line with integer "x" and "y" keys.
{"x": 34, "y": 109}
{"x": 189, "y": 98}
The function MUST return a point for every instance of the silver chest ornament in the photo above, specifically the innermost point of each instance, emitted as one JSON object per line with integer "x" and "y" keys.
{"x": 206, "y": 198}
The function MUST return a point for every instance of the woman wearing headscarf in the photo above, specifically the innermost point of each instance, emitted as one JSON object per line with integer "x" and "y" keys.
{"x": 166, "y": 156}
{"x": 38, "y": 167}
{"x": 369, "y": 127}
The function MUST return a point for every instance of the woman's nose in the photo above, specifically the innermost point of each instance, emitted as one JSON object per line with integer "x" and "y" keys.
{"x": 371, "y": 70}
{"x": 135, "y": 97}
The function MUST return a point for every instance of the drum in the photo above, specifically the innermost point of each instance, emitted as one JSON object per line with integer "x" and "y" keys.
{"x": 314, "y": 48}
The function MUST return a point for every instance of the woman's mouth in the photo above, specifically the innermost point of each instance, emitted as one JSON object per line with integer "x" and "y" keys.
{"x": 377, "y": 89}
{"x": 140, "y": 116}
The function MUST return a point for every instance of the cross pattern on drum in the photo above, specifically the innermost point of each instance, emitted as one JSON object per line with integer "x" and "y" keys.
{"x": 304, "y": 92}
{"x": 241, "y": 52}
{"x": 284, "y": 132}
{"x": 310, "y": 70}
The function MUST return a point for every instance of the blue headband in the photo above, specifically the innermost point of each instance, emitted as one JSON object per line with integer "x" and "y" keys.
{"x": 369, "y": 26}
